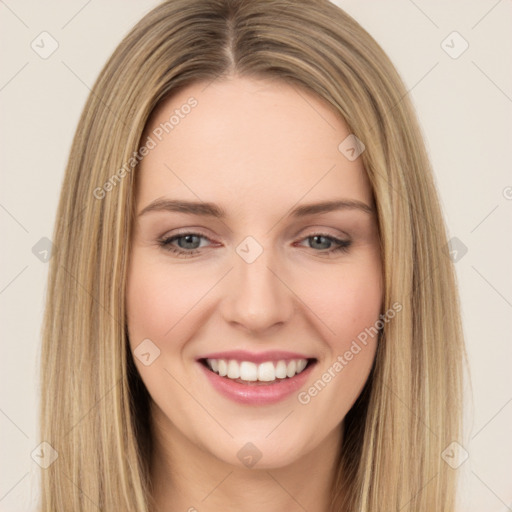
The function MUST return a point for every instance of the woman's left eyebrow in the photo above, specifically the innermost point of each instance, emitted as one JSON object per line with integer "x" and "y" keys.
{"x": 329, "y": 206}
{"x": 214, "y": 210}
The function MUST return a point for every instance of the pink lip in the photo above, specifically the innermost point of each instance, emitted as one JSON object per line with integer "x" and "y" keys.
{"x": 261, "y": 357}
{"x": 257, "y": 393}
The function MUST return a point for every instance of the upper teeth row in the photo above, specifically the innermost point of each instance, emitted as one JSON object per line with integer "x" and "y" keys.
{"x": 247, "y": 370}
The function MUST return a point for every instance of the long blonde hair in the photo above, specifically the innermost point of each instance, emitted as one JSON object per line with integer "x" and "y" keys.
{"x": 94, "y": 407}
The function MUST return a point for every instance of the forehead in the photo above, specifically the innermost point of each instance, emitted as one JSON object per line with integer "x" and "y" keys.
{"x": 248, "y": 144}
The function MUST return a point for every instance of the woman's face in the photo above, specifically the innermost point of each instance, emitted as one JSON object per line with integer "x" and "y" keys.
{"x": 232, "y": 262}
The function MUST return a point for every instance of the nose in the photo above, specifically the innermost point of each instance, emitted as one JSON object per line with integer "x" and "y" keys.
{"x": 256, "y": 296}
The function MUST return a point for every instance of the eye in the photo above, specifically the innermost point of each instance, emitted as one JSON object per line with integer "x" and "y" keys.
{"x": 188, "y": 244}
{"x": 321, "y": 239}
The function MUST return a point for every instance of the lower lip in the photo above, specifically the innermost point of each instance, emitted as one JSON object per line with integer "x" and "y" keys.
{"x": 256, "y": 393}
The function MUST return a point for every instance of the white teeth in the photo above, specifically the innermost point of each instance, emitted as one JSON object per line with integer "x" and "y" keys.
{"x": 223, "y": 366}
{"x": 233, "y": 370}
{"x": 266, "y": 372}
{"x": 249, "y": 371}
{"x": 281, "y": 369}
{"x": 301, "y": 364}
{"x": 290, "y": 369}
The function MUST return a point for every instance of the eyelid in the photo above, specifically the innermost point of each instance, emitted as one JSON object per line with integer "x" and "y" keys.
{"x": 184, "y": 231}
{"x": 340, "y": 245}
{"x": 301, "y": 234}
{"x": 327, "y": 231}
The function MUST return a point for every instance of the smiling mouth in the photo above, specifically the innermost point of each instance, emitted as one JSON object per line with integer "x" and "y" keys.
{"x": 265, "y": 373}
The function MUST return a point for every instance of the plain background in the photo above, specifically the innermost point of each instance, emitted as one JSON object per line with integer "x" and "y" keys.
{"x": 465, "y": 109}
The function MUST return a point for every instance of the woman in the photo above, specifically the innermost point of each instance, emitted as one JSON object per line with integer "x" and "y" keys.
{"x": 255, "y": 369}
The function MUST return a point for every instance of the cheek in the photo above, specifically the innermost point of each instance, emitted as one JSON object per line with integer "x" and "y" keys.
{"x": 159, "y": 306}
{"x": 346, "y": 299}
{"x": 161, "y": 300}
{"x": 348, "y": 308}
{"x": 358, "y": 305}
{"x": 157, "y": 299}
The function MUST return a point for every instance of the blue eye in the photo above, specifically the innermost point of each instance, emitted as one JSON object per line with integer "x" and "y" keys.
{"x": 341, "y": 245}
{"x": 189, "y": 244}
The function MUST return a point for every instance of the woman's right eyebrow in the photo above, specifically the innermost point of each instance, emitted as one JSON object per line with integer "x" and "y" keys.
{"x": 213, "y": 210}
{"x": 180, "y": 206}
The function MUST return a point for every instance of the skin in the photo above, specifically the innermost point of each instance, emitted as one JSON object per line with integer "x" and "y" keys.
{"x": 257, "y": 148}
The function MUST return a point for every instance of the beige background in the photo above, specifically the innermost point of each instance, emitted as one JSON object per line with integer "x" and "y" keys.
{"x": 465, "y": 109}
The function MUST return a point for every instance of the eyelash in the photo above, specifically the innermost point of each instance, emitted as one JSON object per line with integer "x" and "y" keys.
{"x": 165, "y": 243}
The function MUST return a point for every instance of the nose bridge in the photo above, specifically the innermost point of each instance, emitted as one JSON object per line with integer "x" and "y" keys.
{"x": 256, "y": 298}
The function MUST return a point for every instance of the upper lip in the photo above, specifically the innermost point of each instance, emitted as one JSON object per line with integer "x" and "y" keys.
{"x": 260, "y": 357}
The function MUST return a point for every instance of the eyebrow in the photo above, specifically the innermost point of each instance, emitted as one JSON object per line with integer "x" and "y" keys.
{"x": 214, "y": 210}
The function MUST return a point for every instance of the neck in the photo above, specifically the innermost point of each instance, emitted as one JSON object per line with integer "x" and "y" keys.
{"x": 187, "y": 478}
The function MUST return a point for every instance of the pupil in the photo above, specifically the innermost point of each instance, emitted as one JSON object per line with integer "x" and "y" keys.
{"x": 188, "y": 241}
{"x": 317, "y": 237}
